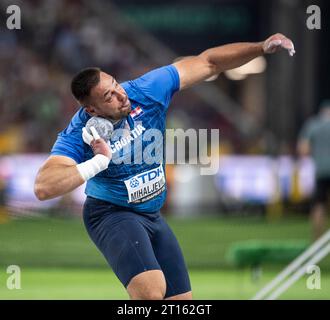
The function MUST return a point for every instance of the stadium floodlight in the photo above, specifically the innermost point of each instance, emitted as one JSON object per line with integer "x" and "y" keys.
{"x": 297, "y": 268}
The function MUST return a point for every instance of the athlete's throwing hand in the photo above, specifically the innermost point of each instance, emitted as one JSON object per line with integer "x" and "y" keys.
{"x": 98, "y": 145}
{"x": 277, "y": 42}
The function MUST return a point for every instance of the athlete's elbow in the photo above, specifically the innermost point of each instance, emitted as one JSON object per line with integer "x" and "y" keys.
{"x": 42, "y": 192}
{"x": 213, "y": 66}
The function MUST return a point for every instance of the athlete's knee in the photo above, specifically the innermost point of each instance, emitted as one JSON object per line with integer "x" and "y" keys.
{"x": 149, "y": 285}
{"x": 182, "y": 296}
{"x": 150, "y": 294}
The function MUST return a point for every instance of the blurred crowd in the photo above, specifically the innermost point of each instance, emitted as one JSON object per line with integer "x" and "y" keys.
{"x": 37, "y": 63}
{"x": 57, "y": 39}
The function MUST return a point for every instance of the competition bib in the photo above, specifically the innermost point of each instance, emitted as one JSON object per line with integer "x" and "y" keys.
{"x": 146, "y": 185}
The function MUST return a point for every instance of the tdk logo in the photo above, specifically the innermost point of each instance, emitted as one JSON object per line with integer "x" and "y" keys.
{"x": 146, "y": 177}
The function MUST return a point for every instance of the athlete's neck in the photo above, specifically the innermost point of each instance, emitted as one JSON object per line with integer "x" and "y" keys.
{"x": 117, "y": 123}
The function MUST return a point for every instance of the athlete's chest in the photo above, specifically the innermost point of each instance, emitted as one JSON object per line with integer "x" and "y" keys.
{"x": 143, "y": 130}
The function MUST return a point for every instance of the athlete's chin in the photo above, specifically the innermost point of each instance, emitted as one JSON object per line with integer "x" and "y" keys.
{"x": 125, "y": 111}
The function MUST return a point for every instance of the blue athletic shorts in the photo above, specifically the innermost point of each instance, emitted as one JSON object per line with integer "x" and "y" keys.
{"x": 133, "y": 243}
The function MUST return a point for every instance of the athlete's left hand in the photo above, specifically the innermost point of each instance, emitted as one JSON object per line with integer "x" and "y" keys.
{"x": 277, "y": 42}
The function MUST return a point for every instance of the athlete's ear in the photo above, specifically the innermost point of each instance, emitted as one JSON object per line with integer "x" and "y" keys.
{"x": 90, "y": 110}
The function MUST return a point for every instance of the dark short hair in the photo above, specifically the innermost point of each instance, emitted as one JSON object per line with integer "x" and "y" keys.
{"x": 83, "y": 82}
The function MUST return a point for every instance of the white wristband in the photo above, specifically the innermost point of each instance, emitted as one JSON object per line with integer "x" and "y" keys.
{"x": 92, "y": 167}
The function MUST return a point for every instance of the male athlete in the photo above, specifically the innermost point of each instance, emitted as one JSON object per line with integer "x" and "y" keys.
{"x": 121, "y": 218}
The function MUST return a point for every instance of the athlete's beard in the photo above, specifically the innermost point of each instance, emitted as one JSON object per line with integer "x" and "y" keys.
{"x": 114, "y": 122}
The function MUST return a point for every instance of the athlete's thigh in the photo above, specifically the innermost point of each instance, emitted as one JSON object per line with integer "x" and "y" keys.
{"x": 123, "y": 241}
{"x": 170, "y": 259}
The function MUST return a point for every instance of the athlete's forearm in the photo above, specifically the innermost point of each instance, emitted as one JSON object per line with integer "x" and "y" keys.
{"x": 232, "y": 56}
{"x": 55, "y": 181}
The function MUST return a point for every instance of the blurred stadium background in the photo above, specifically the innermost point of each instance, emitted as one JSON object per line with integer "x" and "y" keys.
{"x": 262, "y": 192}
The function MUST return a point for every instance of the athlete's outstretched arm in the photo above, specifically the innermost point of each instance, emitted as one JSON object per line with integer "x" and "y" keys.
{"x": 216, "y": 60}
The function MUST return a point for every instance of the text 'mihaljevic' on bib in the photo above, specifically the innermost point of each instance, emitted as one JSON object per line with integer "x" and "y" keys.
{"x": 146, "y": 185}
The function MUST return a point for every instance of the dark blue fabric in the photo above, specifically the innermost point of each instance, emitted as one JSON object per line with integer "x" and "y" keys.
{"x": 133, "y": 243}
